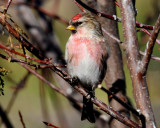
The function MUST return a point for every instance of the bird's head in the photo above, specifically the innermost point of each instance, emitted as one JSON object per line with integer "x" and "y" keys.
{"x": 84, "y": 21}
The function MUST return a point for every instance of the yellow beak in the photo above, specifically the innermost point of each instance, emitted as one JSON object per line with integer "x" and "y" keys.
{"x": 71, "y": 28}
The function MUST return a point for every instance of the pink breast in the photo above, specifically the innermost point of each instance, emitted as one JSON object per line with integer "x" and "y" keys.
{"x": 79, "y": 48}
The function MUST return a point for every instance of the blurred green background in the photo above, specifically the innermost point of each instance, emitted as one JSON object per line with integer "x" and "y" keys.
{"x": 28, "y": 100}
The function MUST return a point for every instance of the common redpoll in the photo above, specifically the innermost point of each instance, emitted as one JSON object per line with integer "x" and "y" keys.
{"x": 86, "y": 55}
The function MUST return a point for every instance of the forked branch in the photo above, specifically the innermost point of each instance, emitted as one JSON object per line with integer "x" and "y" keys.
{"x": 149, "y": 46}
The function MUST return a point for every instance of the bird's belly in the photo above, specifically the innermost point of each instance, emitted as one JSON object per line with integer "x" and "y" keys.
{"x": 87, "y": 71}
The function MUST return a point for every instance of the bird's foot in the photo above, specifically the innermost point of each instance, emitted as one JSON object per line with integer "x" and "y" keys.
{"x": 74, "y": 81}
{"x": 90, "y": 95}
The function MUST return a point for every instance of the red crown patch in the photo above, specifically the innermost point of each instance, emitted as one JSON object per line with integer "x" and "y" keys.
{"x": 76, "y": 17}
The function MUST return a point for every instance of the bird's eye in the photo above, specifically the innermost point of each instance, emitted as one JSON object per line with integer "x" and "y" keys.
{"x": 77, "y": 23}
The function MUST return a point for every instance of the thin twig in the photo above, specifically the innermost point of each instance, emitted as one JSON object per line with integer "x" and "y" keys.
{"x": 47, "y": 43}
{"x": 80, "y": 7}
{"x": 112, "y": 36}
{"x": 20, "y": 38}
{"x": 139, "y": 25}
{"x": 49, "y": 124}
{"x": 114, "y": 17}
{"x": 152, "y": 57}
{"x": 148, "y": 33}
{"x": 111, "y": 95}
{"x": 7, "y": 6}
{"x": 21, "y": 119}
{"x": 37, "y": 66}
{"x": 124, "y": 46}
{"x": 127, "y": 106}
{"x": 149, "y": 46}
{"x": 23, "y": 55}
{"x": 18, "y": 87}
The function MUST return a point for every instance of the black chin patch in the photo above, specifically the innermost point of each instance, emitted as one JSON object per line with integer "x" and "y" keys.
{"x": 74, "y": 31}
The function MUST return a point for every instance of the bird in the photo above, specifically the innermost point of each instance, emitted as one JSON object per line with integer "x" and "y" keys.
{"x": 86, "y": 54}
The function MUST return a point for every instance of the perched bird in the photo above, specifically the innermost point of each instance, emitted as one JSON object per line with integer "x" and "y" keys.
{"x": 86, "y": 54}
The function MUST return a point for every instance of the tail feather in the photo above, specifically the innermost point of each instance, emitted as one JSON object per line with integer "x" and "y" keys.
{"x": 87, "y": 111}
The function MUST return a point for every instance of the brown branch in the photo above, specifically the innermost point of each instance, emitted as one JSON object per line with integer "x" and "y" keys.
{"x": 75, "y": 104}
{"x": 139, "y": 25}
{"x": 152, "y": 57}
{"x": 139, "y": 83}
{"x": 39, "y": 76}
{"x": 100, "y": 14}
{"x": 44, "y": 80}
{"x": 149, "y": 47}
{"x": 19, "y": 61}
{"x": 49, "y": 124}
{"x": 81, "y": 90}
{"x": 47, "y": 43}
{"x": 144, "y": 30}
{"x": 5, "y": 118}
{"x": 21, "y": 119}
{"x": 23, "y": 55}
{"x": 20, "y": 38}
{"x": 37, "y": 66}
{"x": 102, "y": 106}
{"x": 112, "y": 95}
{"x": 112, "y": 36}
{"x": 111, "y": 17}
{"x": 79, "y": 6}
{"x": 55, "y": 16}
{"x": 7, "y": 6}
{"x": 124, "y": 46}
{"x": 149, "y": 34}
{"x": 17, "y": 89}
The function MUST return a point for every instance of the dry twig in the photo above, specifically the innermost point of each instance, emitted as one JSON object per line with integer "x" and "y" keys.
{"x": 21, "y": 119}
